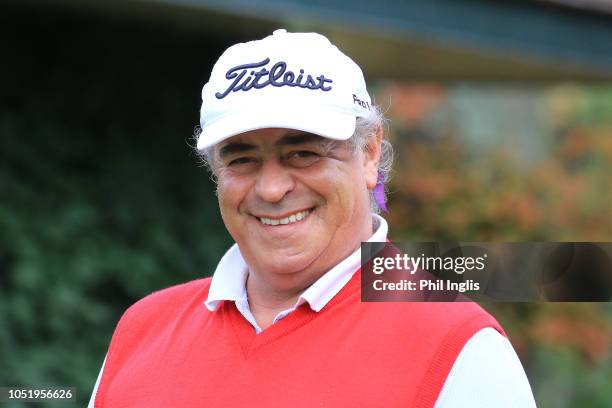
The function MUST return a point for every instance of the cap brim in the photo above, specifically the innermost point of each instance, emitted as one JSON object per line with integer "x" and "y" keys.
{"x": 323, "y": 122}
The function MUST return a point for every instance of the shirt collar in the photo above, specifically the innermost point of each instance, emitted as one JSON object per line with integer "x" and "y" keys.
{"x": 228, "y": 282}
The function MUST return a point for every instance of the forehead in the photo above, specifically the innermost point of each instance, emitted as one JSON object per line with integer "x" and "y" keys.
{"x": 264, "y": 138}
{"x": 272, "y": 136}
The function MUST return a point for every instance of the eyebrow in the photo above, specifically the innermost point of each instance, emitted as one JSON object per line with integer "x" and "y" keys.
{"x": 287, "y": 140}
{"x": 297, "y": 139}
{"x": 237, "y": 147}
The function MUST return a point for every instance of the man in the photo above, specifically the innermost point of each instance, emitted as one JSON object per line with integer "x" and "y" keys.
{"x": 296, "y": 146}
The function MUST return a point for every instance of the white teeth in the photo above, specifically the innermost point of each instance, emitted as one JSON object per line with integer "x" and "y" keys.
{"x": 287, "y": 220}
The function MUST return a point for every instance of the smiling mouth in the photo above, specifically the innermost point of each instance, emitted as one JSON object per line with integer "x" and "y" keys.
{"x": 298, "y": 216}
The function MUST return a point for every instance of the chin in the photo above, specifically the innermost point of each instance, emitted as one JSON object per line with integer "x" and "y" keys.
{"x": 286, "y": 268}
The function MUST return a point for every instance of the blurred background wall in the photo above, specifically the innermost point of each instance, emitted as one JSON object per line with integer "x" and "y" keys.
{"x": 501, "y": 113}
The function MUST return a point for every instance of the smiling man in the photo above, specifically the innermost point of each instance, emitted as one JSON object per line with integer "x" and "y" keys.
{"x": 296, "y": 205}
{"x": 296, "y": 147}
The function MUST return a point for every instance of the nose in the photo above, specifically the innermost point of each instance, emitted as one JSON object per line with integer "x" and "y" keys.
{"x": 273, "y": 181}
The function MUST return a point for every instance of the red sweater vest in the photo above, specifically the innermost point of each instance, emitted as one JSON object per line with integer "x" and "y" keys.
{"x": 169, "y": 350}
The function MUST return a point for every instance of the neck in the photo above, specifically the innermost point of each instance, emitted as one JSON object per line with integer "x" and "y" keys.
{"x": 267, "y": 298}
{"x": 266, "y": 302}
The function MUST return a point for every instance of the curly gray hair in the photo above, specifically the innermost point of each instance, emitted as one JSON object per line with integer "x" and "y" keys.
{"x": 365, "y": 128}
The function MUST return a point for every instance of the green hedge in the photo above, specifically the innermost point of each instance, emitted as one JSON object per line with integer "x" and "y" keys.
{"x": 101, "y": 198}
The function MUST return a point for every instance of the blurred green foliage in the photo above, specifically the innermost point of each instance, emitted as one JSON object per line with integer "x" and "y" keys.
{"x": 101, "y": 198}
{"x": 102, "y": 201}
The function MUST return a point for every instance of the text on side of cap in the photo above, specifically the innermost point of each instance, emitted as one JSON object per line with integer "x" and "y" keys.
{"x": 278, "y": 75}
{"x": 363, "y": 104}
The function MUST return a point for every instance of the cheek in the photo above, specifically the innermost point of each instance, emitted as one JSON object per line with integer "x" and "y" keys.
{"x": 344, "y": 189}
{"x": 231, "y": 192}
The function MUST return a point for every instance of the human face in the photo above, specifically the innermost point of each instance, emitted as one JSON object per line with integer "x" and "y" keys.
{"x": 294, "y": 206}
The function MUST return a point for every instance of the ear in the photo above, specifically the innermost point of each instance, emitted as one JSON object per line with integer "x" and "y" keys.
{"x": 371, "y": 158}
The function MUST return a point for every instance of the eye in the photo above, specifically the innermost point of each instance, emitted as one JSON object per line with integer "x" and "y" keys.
{"x": 241, "y": 160}
{"x": 302, "y": 158}
{"x": 242, "y": 164}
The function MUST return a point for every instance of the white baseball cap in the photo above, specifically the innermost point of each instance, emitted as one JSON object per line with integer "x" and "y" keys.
{"x": 287, "y": 80}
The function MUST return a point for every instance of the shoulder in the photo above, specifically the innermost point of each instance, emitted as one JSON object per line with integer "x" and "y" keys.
{"x": 463, "y": 315}
{"x": 442, "y": 318}
{"x": 166, "y": 302}
{"x": 155, "y": 312}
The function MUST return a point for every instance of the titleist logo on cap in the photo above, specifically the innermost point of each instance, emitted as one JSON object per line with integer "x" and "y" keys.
{"x": 278, "y": 75}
